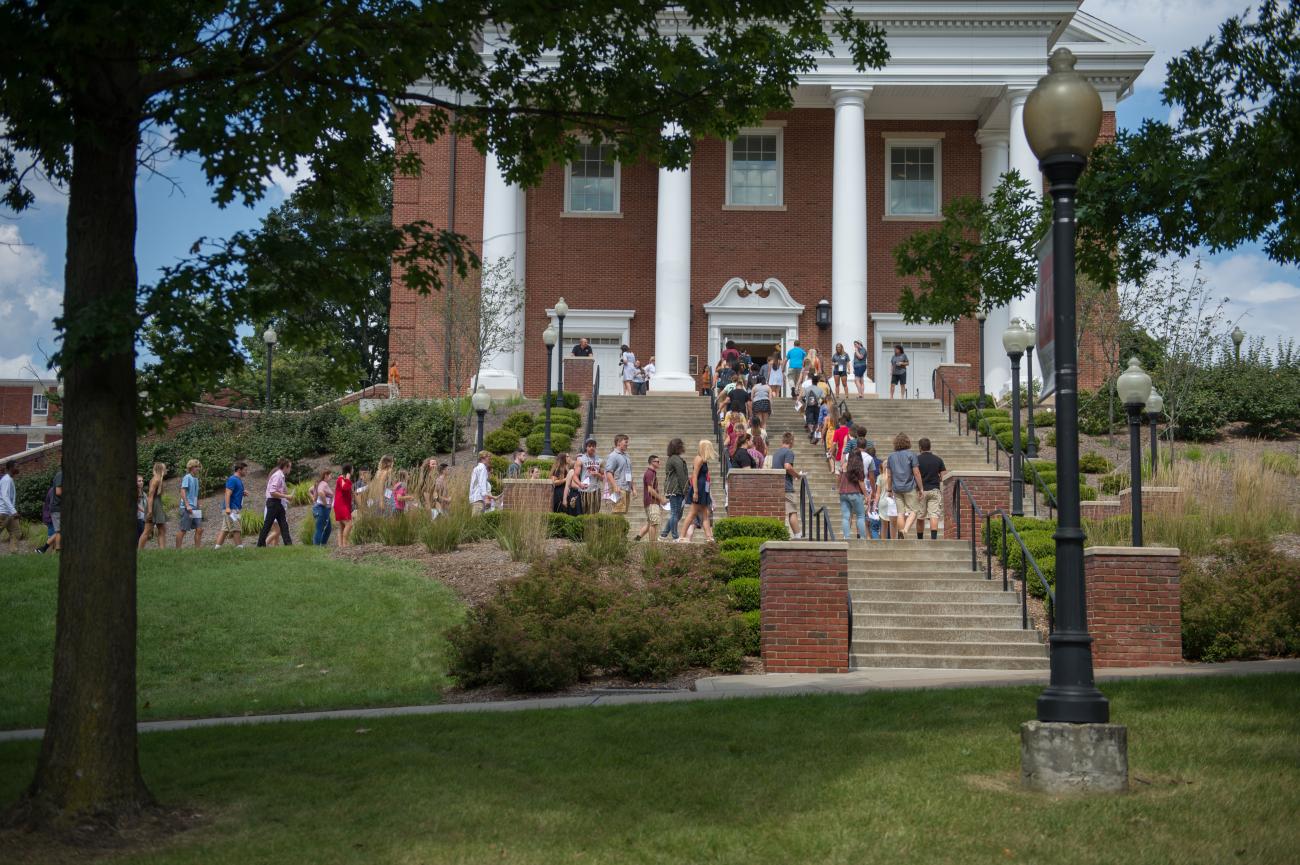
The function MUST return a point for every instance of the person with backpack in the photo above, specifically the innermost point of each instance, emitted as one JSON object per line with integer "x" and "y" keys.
{"x": 812, "y": 401}
{"x": 52, "y": 514}
{"x": 903, "y": 482}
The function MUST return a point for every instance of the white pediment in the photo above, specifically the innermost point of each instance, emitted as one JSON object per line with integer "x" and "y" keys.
{"x": 768, "y": 295}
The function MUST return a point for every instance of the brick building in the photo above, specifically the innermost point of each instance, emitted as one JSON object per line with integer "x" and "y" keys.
{"x": 26, "y": 411}
{"x": 747, "y": 241}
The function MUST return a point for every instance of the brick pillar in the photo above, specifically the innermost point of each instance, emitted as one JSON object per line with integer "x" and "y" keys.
{"x": 578, "y": 373}
{"x": 805, "y": 597}
{"x": 959, "y": 377}
{"x": 756, "y": 493}
{"x": 1100, "y": 509}
{"x": 526, "y": 495}
{"x": 1134, "y": 611}
{"x": 991, "y": 491}
{"x": 1153, "y": 499}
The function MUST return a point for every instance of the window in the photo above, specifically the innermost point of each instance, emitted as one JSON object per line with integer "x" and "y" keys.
{"x": 40, "y": 405}
{"x": 754, "y": 168}
{"x": 36, "y": 442}
{"x": 592, "y": 181}
{"x": 913, "y": 173}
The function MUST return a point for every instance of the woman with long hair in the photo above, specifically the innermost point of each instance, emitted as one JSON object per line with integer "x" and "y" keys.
{"x": 859, "y": 365}
{"x": 322, "y": 502}
{"x": 343, "y": 504}
{"x": 853, "y": 492}
{"x": 155, "y": 521}
{"x": 560, "y": 474}
{"x": 698, "y": 495}
{"x": 840, "y": 369}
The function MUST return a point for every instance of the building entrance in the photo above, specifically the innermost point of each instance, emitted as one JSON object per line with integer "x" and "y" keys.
{"x": 758, "y": 344}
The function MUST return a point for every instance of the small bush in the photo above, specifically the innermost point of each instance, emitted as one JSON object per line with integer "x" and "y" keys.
{"x": 360, "y": 443}
{"x": 744, "y": 592}
{"x": 741, "y": 543}
{"x": 520, "y": 423}
{"x": 568, "y": 400}
{"x": 605, "y": 536}
{"x": 501, "y": 441}
{"x": 1199, "y": 415}
{"x": 1095, "y": 464}
{"x": 965, "y": 402}
{"x": 279, "y": 435}
{"x": 522, "y": 534}
{"x": 306, "y": 529}
{"x": 742, "y": 564}
{"x": 447, "y": 532}
{"x": 1243, "y": 603}
{"x": 1282, "y": 463}
{"x": 1112, "y": 483}
{"x": 565, "y": 527}
{"x": 1050, "y": 438}
{"x": 1044, "y": 419}
{"x": 559, "y": 441}
{"x": 753, "y": 633}
{"x": 1193, "y": 454}
{"x": 250, "y": 522}
{"x": 769, "y": 528}
{"x": 30, "y": 490}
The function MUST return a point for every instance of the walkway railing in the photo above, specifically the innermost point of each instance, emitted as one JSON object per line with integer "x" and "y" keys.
{"x": 1048, "y": 499}
{"x": 724, "y": 458}
{"x": 815, "y": 520}
{"x": 591, "y": 403}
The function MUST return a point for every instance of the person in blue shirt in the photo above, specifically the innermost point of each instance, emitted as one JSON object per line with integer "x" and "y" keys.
{"x": 230, "y": 524}
{"x": 191, "y": 516}
{"x": 794, "y": 367}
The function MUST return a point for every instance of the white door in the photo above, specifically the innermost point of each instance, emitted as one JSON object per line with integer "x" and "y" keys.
{"x": 923, "y": 356}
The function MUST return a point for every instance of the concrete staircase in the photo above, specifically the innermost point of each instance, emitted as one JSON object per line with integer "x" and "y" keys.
{"x": 650, "y": 421}
{"x": 918, "y": 604}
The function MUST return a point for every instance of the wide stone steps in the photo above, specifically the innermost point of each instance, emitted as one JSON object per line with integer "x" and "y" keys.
{"x": 919, "y": 609}
{"x": 935, "y": 596}
{"x": 1001, "y": 621}
{"x": 948, "y": 662}
{"x": 983, "y": 648}
{"x": 947, "y": 635}
{"x": 928, "y": 581}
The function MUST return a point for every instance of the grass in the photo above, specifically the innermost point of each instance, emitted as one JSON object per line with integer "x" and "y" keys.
{"x": 904, "y": 777}
{"x": 523, "y": 535}
{"x": 246, "y": 631}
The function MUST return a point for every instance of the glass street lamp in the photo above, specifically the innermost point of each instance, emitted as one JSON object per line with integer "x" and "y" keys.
{"x": 823, "y": 313}
{"x": 1031, "y": 447}
{"x": 270, "y": 338}
{"x": 1062, "y": 119}
{"x": 1134, "y": 389}
{"x": 1155, "y": 408}
{"x": 982, "y": 316}
{"x": 1014, "y": 339}
{"x": 482, "y": 401}
{"x": 561, "y": 310}
{"x": 548, "y": 337}
{"x": 1238, "y": 337}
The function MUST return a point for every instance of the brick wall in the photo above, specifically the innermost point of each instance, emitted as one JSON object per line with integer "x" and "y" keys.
{"x": 526, "y": 495}
{"x": 578, "y": 375}
{"x": 1154, "y": 499}
{"x": 1134, "y": 612}
{"x": 756, "y": 493}
{"x": 991, "y": 491}
{"x": 1100, "y": 509}
{"x": 805, "y": 595}
{"x": 39, "y": 459}
{"x": 959, "y": 377}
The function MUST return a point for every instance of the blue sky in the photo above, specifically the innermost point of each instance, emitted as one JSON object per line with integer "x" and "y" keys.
{"x": 174, "y": 211}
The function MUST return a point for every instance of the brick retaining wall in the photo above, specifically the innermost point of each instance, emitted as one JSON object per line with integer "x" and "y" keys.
{"x": 756, "y": 493}
{"x": 526, "y": 495}
{"x": 579, "y": 373}
{"x": 805, "y": 596}
{"x": 991, "y": 490}
{"x": 960, "y": 377}
{"x": 1134, "y": 612}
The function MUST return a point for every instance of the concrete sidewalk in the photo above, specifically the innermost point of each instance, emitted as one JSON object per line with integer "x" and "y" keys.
{"x": 723, "y": 687}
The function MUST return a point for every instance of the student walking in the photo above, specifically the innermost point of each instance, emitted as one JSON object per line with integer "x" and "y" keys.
{"x": 590, "y": 477}
{"x": 676, "y": 478}
{"x": 903, "y": 482}
{"x": 52, "y": 512}
{"x": 627, "y": 363}
{"x": 233, "y": 504}
{"x": 783, "y": 460}
{"x": 698, "y": 495}
{"x": 840, "y": 369}
{"x": 932, "y": 472}
{"x": 618, "y": 475}
{"x": 191, "y": 515}
{"x": 155, "y": 520}
{"x": 898, "y": 372}
{"x": 859, "y": 366}
{"x": 480, "y": 488}
{"x": 651, "y": 499}
{"x": 343, "y": 504}
{"x": 853, "y": 495}
{"x": 794, "y": 359}
{"x": 276, "y": 496}
{"x": 139, "y": 507}
{"x": 322, "y": 504}
{"x": 9, "y": 521}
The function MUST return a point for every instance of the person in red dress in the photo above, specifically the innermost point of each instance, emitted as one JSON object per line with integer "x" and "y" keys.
{"x": 343, "y": 505}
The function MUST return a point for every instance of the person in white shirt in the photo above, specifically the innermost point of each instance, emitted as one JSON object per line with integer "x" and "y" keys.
{"x": 480, "y": 489}
{"x": 649, "y": 369}
{"x": 9, "y": 506}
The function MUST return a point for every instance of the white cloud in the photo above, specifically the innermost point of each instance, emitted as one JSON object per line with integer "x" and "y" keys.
{"x": 1261, "y": 293}
{"x": 30, "y": 298}
{"x": 19, "y": 367}
{"x": 288, "y": 182}
{"x": 1169, "y": 26}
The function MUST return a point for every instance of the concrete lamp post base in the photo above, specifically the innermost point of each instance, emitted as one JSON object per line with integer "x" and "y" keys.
{"x": 1073, "y": 758}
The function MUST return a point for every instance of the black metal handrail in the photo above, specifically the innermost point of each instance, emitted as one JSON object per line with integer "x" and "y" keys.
{"x": 946, "y": 397}
{"x": 1027, "y": 556}
{"x": 809, "y": 515}
{"x": 724, "y": 458}
{"x": 975, "y": 514}
{"x": 1048, "y": 498}
{"x": 591, "y": 403}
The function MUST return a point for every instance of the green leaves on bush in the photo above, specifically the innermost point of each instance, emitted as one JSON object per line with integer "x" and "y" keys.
{"x": 216, "y": 444}
{"x": 605, "y": 536}
{"x": 560, "y": 441}
{"x": 741, "y": 543}
{"x": 769, "y": 528}
{"x": 502, "y": 441}
{"x": 742, "y": 564}
{"x": 568, "y": 400}
{"x": 359, "y": 443}
{"x": 753, "y": 634}
{"x": 1095, "y": 464}
{"x": 520, "y": 423}
{"x": 745, "y": 593}
{"x": 964, "y": 402}
{"x": 1244, "y": 603}
{"x": 1044, "y": 418}
{"x": 30, "y": 490}
{"x": 1112, "y": 483}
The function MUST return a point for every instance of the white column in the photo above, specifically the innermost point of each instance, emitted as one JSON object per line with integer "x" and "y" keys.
{"x": 993, "y": 164}
{"x": 849, "y": 221}
{"x": 503, "y": 238}
{"x": 673, "y": 283}
{"x": 1022, "y": 159}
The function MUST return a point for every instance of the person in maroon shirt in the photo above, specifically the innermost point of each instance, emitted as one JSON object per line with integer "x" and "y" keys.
{"x": 652, "y": 500}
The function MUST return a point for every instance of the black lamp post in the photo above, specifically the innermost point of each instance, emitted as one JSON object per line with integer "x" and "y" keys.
{"x": 269, "y": 337}
{"x": 1155, "y": 408}
{"x": 1062, "y": 120}
{"x": 1134, "y": 388}
{"x": 482, "y": 401}
{"x": 548, "y": 337}
{"x": 1031, "y": 446}
{"x": 982, "y": 315}
{"x": 1238, "y": 336}
{"x": 561, "y": 310}
{"x": 1014, "y": 340}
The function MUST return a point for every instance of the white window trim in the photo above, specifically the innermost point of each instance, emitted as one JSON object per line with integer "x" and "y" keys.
{"x": 775, "y": 128}
{"x": 616, "y": 213}
{"x": 42, "y": 412}
{"x": 929, "y": 140}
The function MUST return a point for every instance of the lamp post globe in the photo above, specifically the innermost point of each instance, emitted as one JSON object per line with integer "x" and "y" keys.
{"x": 982, "y": 316}
{"x": 1238, "y": 337}
{"x": 1062, "y": 118}
{"x": 1031, "y": 336}
{"x": 482, "y": 401}
{"x": 269, "y": 337}
{"x": 1134, "y": 389}
{"x": 548, "y": 339}
{"x": 1014, "y": 340}
{"x": 561, "y": 310}
{"x": 1155, "y": 407}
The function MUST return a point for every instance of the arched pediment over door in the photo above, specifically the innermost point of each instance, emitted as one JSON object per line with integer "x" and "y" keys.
{"x": 752, "y": 307}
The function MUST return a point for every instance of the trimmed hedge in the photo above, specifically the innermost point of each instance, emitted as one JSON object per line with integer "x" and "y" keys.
{"x": 1095, "y": 464}
{"x": 768, "y": 528}
{"x": 965, "y": 402}
{"x": 744, "y": 592}
{"x": 753, "y": 633}
{"x": 520, "y": 423}
{"x": 1044, "y": 418}
{"x": 742, "y": 564}
{"x": 568, "y": 399}
{"x": 559, "y": 441}
{"x": 742, "y": 543}
{"x": 501, "y": 441}
{"x": 1112, "y": 483}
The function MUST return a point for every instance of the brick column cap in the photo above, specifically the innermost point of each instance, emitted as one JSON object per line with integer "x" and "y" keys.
{"x": 512, "y": 481}
{"x": 961, "y": 365}
{"x": 825, "y": 546}
{"x": 571, "y": 358}
{"x": 735, "y": 473}
{"x": 1130, "y": 551}
{"x": 976, "y": 474}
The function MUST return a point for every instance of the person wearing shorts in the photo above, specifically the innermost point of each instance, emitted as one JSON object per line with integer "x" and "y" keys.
{"x": 783, "y": 460}
{"x": 859, "y": 366}
{"x": 903, "y": 481}
{"x": 932, "y": 471}
{"x": 233, "y": 503}
{"x": 618, "y": 474}
{"x": 652, "y": 500}
{"x": 191, "y": 516}
{"x": 898, "y": 372}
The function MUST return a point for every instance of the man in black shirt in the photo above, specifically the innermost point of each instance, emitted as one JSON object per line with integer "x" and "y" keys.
{"x": 932, "y": 471}
{"x": 582, "y": 349}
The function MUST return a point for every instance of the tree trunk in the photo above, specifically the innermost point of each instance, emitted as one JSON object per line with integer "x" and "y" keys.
{"x": 89, "y": 763}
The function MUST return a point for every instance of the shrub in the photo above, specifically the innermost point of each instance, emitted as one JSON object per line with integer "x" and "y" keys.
{"x": 1086, "y": 492}
{"x": 520, "y": 423}
{"x": 1112, "y": 483}
{"x": 568, "y": 400}
{"x": 501, "y": 441}
{"x": 216, "y": 444}
{"x": 30, "y": 490}
{"x": 742, "y": 564}
{"x": 605, "y": 536}
{"x": 250, "y": 522}
{"x": 565, "y": 527}
{"x": 522, "y": 534}
{"x": 559, "y": 441}
{"x": 1095, "y": 464}
{"x": 1242, "y": 604}
{"x": 965, "y": 402}
{"x": 1096, "y": 411}
{"x": 753, "y": 633}
{"x": 278, "y": 435}
{"x": 447, "y": 532}
{"x": 306, "y": 530}
{"x": 1050, "y": 438}
{"x": 1199, "y": 415}
{"x": 742, "y": 543}
{"x": 1044, "y": 419}
{"x": 359, "y": 442}
{"x": 769, "y": 528}
{"x": 744, "y": 592}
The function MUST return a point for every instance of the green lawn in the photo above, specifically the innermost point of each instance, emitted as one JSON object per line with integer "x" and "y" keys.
{"x": 901, "y": 777}
{"x": 245, "y": 631}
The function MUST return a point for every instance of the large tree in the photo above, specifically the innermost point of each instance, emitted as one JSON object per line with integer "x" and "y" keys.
{"x": 244, "y": 86}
